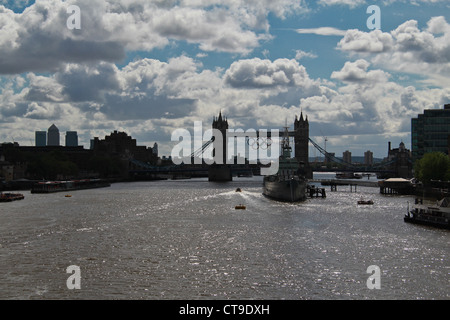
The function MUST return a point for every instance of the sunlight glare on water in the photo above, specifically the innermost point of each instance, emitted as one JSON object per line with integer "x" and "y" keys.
{"x": 183, "y": 239}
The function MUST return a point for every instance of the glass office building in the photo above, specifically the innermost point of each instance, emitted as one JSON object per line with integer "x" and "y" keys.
{"x": 71, "y": 139}
{"x": 40, "y": 138}
{"x": 53, "y": 136}
{"x": 430, "y": 132}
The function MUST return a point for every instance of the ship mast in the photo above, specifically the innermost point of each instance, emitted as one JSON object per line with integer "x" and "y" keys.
{"x": 286, "y": 148}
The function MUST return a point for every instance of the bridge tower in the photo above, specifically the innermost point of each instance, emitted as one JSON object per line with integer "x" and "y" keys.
{"x": 301, "y": 142}
{"x": 220, "y": 172}
{"x": 221, "y": 124}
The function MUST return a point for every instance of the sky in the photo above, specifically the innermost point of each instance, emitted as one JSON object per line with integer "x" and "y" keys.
{"x": 151, "y": 67}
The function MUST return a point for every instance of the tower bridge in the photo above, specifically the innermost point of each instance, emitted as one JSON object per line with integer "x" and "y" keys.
{"x": 223, "y": 171}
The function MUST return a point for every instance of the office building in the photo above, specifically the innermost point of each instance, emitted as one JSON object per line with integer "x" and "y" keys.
{"x": 429, "y": 132}
{"x": 448, "y": 145}
{"x": 329, "y": 157}
{"x": 71, "y": 139}
{"x": 347, "y": 156}
{"x": 53, "y": 136}
{"x": 368, "y": 158}
{"x": 40, "y": 138}
{"x": 400, "y": 159}
{"x": 155, "y": 149}
{"x": 123, "y": 145}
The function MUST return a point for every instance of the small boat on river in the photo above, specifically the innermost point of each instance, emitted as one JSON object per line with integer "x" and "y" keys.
{"x": 365, "y": 202}
{"x": 61, "y": 186}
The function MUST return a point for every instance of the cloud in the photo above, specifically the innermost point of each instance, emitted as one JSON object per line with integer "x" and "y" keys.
{"x": 38, "y": 39}
{"x": 254, "y": 11}
{"x": 406, "y": 49}
{"x": 88, "y": 82}
{"x": 356, "y": 3}
{"x": 149, "y": 98}
{"x": 300, "y": 54}
{"x": 215, "y": 31}
{"x": 323, "y": 31}
{"x": 71, "y": 78}
{"x": 43, "y": 111}
{"x": 258, "y": 73}
{"x": 369, "y": 102}
{"x": 350, "y": 3}
{"x": 357, "y": 72}
{"x": 43, "y": 89}
{"x": 144, "y": 89}
{"x": 366, "y": 42}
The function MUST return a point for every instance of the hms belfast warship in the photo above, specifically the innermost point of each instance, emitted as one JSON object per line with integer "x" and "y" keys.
{"x": 287, "y": 184}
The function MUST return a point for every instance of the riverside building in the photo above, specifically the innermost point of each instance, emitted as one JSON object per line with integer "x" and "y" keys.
{"x": 430, "y": 131}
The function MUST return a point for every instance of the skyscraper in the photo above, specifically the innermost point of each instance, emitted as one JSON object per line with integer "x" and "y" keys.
{"x": 53, "y": 136}
{"x": 71, "y": 139}
{"x": 347, "y": 156}
{"x": 368, "y": 158}
{"x": 40, "y": 138}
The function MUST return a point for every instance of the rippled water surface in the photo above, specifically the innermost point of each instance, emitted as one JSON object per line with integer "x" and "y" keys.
{"x": 185, "y": 240}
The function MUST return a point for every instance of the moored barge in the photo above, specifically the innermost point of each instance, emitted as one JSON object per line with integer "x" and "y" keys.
{"x": 435, "y": 216}
{"x": 8, "y": 197}
{"x": 60, "y": 186}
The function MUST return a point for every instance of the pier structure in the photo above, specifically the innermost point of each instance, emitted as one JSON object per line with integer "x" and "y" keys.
{"x": 316, "y": 192}
{"x": 396, "y": 186}
{"x": 334, "y": 183}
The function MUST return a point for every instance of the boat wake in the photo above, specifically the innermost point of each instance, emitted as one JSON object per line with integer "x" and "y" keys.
{"x": 251, "y": 198}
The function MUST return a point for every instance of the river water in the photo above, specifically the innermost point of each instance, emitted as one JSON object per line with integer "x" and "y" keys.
{"x": 183, "y": 239}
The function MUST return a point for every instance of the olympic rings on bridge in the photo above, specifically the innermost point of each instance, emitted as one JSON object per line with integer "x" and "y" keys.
{"x": 263, "y": 143}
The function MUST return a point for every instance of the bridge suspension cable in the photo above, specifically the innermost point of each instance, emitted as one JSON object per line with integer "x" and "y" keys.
{"x": 349, "y": 165}
{"x": 330, "y": 156}
{"x": 199, "y": 152}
